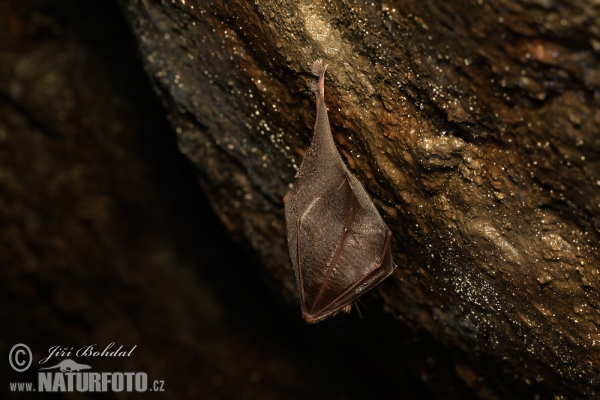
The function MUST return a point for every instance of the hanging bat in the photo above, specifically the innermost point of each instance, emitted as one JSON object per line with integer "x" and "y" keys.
{"x": 339, "y": 244}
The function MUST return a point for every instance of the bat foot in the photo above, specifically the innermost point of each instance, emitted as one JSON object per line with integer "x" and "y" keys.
{"x": 318, "y": 69}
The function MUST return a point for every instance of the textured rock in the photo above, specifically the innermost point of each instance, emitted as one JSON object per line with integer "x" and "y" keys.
{"x": 472, "y": 124}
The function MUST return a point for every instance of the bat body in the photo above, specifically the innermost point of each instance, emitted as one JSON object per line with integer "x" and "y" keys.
{"x": 339, "y": 244}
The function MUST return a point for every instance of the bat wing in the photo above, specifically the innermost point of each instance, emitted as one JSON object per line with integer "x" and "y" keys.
{"x": 342, "y": 249}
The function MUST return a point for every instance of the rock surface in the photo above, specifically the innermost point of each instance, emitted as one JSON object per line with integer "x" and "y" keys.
{"x": 472, "y": 124}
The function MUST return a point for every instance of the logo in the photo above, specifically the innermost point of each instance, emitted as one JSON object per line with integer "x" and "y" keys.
{"x": 69, "y": 375}
{"x": 69, "y": 366}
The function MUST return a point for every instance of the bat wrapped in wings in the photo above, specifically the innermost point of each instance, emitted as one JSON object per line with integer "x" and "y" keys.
{"x": 339, "y": 244}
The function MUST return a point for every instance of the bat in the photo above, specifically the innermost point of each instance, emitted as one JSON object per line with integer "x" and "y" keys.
{"x": 339, "y": 244}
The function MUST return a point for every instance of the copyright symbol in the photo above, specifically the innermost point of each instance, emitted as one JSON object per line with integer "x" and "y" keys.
{"x": 20, "y": 357}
